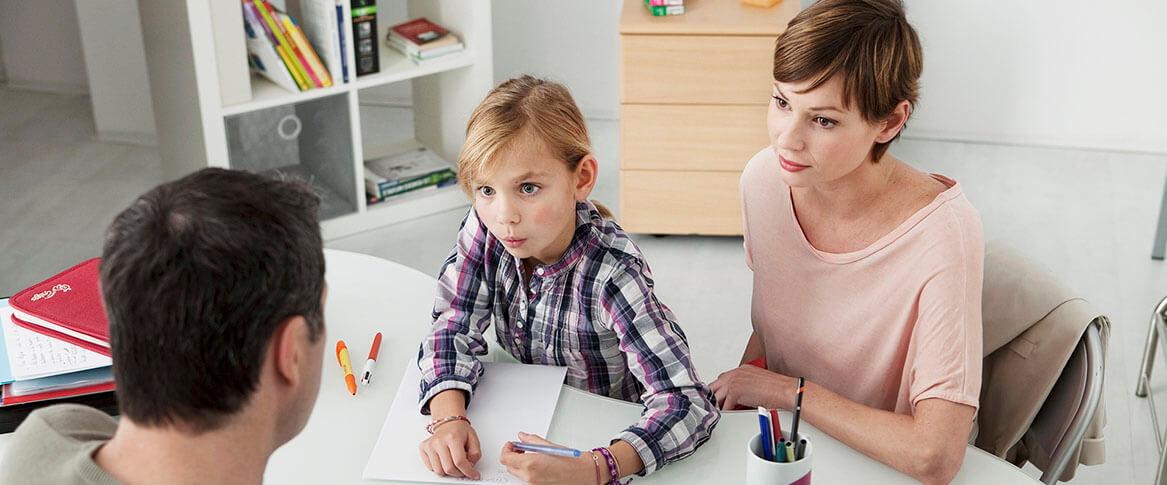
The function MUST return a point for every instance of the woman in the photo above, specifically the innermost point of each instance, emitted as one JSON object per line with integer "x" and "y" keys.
{"x": 867, "y": 272}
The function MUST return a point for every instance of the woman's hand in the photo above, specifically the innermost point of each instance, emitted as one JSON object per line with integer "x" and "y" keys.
{"x": 752, "y": 386}
{"x": 538, "y": 468}
{"x": 452, "y": 450}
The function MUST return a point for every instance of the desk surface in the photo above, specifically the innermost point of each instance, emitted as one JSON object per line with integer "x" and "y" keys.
{"x": 367, "y": 295}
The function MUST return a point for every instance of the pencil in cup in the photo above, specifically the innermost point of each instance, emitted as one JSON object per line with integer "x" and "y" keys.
{"x": 760, "y": 471}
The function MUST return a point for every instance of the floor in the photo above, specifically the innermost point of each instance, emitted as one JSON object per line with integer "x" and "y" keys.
{"x": 1087, "y": 216}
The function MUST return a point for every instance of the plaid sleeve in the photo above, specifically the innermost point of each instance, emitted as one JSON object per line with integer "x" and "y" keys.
{"x": 679, "y": 410}
{"x": 448, "y": 357}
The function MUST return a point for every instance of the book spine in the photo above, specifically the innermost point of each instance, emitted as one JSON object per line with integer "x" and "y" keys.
{"x": 305, "y": 47}
{"x": 340, "y": 29}
{"x": 364, "y": 25}
{"x": 416, "y": 183}
{"x": 296, "y": 49}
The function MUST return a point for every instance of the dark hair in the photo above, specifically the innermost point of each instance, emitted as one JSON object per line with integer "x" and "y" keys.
{"x": 196, "y": 276}
{"x": 869, "y": 42}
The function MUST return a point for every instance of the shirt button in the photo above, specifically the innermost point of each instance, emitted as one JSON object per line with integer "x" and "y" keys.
{"x": 518, "y": 340}
{"x": 519, "y": 323}
{"x": 539, "y": 271}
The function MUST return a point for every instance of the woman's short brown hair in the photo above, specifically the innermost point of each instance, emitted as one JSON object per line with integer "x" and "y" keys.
{"x": 868, "y": 42}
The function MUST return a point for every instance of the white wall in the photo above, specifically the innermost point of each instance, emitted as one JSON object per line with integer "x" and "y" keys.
{"x": 573, "y": 42}
{"x": 1066, "y": 73}
{"x": 42, "y": 48}
{"x": 116, "y": 64}
{"x": 1048, "y": 72}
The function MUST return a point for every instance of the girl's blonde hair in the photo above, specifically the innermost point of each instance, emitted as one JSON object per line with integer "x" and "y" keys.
{"x": 524, "y": 103}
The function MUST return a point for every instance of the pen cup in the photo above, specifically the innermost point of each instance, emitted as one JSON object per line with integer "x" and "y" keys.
{"x": 760, "y": 471}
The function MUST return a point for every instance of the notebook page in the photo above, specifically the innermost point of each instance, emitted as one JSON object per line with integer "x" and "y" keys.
{"x": 34, "y": 355}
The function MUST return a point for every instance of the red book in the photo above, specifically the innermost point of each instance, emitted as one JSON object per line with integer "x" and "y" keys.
{"x": 424, "y": 34}
{"x": 67, "y": 307}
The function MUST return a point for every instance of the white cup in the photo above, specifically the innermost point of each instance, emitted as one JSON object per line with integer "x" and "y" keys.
{"x": 760, "y": 471}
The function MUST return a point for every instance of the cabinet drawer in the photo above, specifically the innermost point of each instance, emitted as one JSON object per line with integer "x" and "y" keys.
{"x": 677, "y": 202}
{"x": 696, "y": 69}
{"x": 691, "y": 137}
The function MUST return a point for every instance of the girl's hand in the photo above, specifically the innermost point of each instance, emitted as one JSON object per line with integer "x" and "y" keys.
{"x": 538, "y": 468}
{"x": 752, "y": 386}
{"x": 452, "y": 450}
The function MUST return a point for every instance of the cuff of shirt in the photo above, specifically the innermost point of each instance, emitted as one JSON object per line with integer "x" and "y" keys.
{"x": 445, "y": 383}
{"x": 649, "y": 454}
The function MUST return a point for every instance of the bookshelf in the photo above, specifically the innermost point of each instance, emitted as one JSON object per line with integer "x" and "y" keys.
{"x": 211, "y": 112}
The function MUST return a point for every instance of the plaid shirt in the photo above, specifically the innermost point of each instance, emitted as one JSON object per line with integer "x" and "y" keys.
{"x": 593, "y": 311}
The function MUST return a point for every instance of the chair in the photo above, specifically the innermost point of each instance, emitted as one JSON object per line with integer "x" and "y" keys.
{"x": 1156, "y": 328}
{"x": 1044, "y": 364}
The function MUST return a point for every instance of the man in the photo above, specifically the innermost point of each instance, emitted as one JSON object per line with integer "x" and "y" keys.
{"x": 214, "y": 288}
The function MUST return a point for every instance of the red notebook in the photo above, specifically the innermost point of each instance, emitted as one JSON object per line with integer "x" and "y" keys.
{"x": 67, "y": 307}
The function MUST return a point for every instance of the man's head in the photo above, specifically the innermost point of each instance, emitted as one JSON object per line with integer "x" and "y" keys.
{"x": 206, "y": 279}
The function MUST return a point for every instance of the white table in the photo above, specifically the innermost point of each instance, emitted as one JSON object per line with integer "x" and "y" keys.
{"x": 368, "y": 295}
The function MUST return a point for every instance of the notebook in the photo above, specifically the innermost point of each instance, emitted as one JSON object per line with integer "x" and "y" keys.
{"x": 66, "y": 307}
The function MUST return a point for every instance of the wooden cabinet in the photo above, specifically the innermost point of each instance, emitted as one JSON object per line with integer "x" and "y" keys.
{"x": 693, "y": 95}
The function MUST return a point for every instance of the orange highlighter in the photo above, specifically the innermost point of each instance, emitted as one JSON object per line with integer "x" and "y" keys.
{"x": 342, "y": 356}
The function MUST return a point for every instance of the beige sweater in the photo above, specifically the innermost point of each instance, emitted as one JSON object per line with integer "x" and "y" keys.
{"x": 55, "y": 446}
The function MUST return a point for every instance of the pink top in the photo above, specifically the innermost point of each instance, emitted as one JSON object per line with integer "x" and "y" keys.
{"x": 885, "y": 326}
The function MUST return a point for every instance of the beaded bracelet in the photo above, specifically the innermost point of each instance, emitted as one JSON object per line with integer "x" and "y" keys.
{"x": 613, "y": 467}
{"x": 438, "y": 422}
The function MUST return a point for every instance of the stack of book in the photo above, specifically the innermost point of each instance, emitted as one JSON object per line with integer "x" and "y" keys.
{"x": 54, "y": 340}
{"x": 404, "y": 172}
{"x": 660, "y": 8}
{"x": 278, "y": 50}
{"x": 421, "y": 40}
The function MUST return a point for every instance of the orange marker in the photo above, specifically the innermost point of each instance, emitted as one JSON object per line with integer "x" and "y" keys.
{"x": 367, "y": 374}
{"x": 342, "y": 357}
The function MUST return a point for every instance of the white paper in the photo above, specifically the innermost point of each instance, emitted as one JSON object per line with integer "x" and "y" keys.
{"x": 35, "y": 355}
{"x": 510, "y": 398}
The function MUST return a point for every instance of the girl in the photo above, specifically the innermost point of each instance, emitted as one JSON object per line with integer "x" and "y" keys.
{"x": 867, "y": 272}
{"x": 565, "y": 286}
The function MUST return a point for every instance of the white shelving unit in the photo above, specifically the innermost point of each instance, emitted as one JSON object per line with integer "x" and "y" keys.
{"x": 194, "y": 49}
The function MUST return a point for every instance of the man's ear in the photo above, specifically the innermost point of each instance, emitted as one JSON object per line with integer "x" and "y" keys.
{"x": 287, "y": 349}
{"x": 585, "y": 177}
{"x": 894, "y": 122}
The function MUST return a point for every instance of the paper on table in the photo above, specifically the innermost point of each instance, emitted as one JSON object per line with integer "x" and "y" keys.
{"x": 34, "y": 355}
{"x": 510, "y": 398}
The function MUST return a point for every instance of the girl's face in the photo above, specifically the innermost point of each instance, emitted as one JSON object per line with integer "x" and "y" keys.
{"x": 816, "y": 140}
{"x": 527, "y": 199}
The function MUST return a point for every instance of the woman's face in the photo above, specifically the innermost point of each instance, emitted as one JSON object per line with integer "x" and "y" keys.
{"x": 816, "y": 139}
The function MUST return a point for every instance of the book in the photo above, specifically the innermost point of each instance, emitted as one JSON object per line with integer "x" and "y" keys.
{"x": 364, "y": 25}
{"x": 257, "y": 12}
{"x": 294, "y": 49}
{"x": 665, "y": 3}
{"x": 67, "y": 307}
{"x": 58, "y": 386}
{"x": 25, "y": 354}
{"x": 661, "y": 11}
{"x": 313, "y": 64}
{"x": 404, "y": 172}
{"x": 262, "y": 54}
{"x": 12, "y": 416}
{"x": 420, "y": 35}
{"x": 322, "y": 23}
{"x": 398, "y": 44}
{"x": 267, "y": 13}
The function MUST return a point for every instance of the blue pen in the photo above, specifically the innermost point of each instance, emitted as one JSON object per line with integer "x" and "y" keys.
{"x": 545, "y": 449}
{"x": 767, "y": 439}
